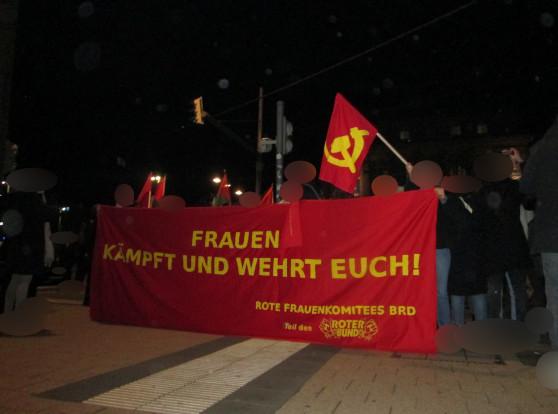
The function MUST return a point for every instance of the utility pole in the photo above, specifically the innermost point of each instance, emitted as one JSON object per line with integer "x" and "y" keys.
{"x": 259, "y": 156}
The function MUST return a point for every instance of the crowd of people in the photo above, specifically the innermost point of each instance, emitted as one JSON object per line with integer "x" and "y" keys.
{"x": 482, "y": 252}
{"x": 486, "y": 255}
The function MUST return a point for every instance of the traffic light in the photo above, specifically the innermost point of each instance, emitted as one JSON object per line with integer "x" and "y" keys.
{"x": 288, "y": 131}
{"x": 283, "y": 140}
{"x": 198, "y": 111}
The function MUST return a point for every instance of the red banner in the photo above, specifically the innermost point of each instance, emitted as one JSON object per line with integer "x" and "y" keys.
{"x": 350, "y": 272}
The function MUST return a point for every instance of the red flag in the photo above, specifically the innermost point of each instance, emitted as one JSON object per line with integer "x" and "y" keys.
{"x": 145, "y": 193}
{"x": 349, "y": 137}
{"x": 223, "y": 193}
{"x": 160, "y": 190}
{"x": 267, "y": 198}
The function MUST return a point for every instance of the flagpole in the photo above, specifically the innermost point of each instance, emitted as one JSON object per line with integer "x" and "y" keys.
{"x": 227, "y": 183}
{"x": 397, "y": 154}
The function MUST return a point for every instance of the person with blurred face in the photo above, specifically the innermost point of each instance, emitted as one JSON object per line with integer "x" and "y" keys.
{"x": 29, "y": 250}
{"x": 540, "y": 178}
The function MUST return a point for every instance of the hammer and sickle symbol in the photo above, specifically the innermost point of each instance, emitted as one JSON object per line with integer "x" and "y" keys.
{"x": 342, "y": 144}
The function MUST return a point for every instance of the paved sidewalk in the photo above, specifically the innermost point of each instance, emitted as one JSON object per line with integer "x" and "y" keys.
{"x": 55, "y": 371}
{"x": 361, "y": 382}
{"x": 75, "y": 348}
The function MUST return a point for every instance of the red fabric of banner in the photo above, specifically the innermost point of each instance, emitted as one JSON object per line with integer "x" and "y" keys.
{"x": 350, "y": 272}
{"x": 348, "y": 140}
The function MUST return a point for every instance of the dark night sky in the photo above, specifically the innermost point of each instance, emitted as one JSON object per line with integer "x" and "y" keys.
{"x": 98, "y": 80}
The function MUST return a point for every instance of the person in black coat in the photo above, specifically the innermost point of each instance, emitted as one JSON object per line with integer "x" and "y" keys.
{"x": 540, "y": 179}
{"x": 27, "y": 248}
{"x": 465, "y": 279}
{"x": 443, "y": 251}
{"x": 504, "y": 252}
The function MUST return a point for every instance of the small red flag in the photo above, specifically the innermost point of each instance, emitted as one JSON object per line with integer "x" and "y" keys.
{"x": 160, "y": 190}
{"x": 267, "y": 198}
{"x": 145, "y": 193}
{"x": 223, "y": 193}
{"x": 349, "y": 137}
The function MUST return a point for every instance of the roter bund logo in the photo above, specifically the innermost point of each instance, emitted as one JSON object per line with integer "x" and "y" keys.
{"x": 349, "y": 328}
{"x": 342, "y": 144}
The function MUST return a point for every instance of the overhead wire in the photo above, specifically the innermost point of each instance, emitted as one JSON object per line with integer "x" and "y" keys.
{"x": 352, "y": 57}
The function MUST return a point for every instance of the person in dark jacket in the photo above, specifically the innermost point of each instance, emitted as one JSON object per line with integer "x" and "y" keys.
{"x": 504, "y": 252}
{"x": 27, "y": 248}
{"x": 443, "y": 258}
{"x": 540, "y": 179}
{"x": 443, "y": 253}
{"x": 465, "y": 279}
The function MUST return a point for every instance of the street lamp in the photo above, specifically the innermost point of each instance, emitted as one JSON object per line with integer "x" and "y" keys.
{"x": 238, "y": 193}
{"x": 5, "y": 183}
{"x": 61, "y": 211}
{"x": 216, "y": 180}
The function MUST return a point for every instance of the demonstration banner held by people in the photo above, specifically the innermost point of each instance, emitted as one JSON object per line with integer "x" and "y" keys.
{"x": 349, "y": 272}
